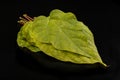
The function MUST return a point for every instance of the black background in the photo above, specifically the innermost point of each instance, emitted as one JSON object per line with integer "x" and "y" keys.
{"x": 102, "y": 18}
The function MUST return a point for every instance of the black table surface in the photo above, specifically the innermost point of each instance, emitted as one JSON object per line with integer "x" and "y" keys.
{"x": 102, "y": 18}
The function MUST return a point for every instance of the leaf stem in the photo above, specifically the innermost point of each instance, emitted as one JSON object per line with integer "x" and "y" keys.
{"x": 28, "y": 17}
{"x": 24, "y": 19}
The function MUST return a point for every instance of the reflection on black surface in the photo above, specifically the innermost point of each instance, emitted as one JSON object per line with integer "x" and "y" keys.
{"x": 46, "y": 64}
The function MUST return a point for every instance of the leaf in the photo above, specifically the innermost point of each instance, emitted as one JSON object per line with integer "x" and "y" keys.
{"x": 61, "y": 36}
{"x": 25, "y": 40}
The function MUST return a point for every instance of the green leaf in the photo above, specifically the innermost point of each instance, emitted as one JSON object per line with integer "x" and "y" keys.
{"x": 24, "y": 39}
{"x": 61, "y": 36}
